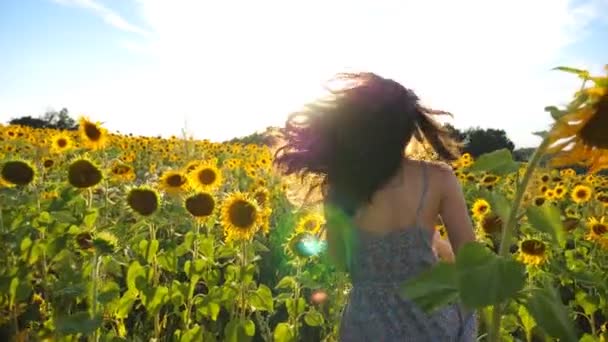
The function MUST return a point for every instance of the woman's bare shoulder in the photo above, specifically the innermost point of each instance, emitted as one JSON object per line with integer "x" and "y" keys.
{"x": 439, "y": 168}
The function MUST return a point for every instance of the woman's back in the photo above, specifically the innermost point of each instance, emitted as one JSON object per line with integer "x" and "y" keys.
{"x": 394, "y": 237}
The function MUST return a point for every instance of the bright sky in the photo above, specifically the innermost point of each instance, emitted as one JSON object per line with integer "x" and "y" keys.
{"x": 228, "y": 68}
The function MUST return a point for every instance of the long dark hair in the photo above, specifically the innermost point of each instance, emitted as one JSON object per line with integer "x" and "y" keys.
{"x": 355, "y": 141}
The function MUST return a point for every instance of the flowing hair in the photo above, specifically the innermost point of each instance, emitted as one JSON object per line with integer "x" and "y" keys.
{"x": 355, "y": 141}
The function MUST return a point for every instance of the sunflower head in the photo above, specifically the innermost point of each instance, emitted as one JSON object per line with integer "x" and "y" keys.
{"x": 489, "y": 179}
{"x": 173, "y": 182}
{"x": 598, "y": 231}
{"x": 122, "y": 172}
{"x": 240, "y": 217}
{"x": 200, "y": 205}
{"x": 92, "y": 134}
{"x": 303, "y": 245}
{"x": 480, "y": 208}
{"x": 579, "y": 132}
{"x": 143, "y": 200}
{"x": 491, "y": 224}
{"x": 532, "y": 252}
{"x": 61, "y": 142}
{"x": 205, "y": 177}
{"x": 83, "y": 173}
{"x": 17, "y": 172}
{"x": 311, "y": 223}
{"x": 261, "y": 195}
{"x": 581, "y": 194}
{"x": 105, "y": 242}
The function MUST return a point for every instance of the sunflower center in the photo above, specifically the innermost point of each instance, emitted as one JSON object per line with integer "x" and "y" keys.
{"x": 175, "y": 181}
{"x": 200, "y": 205}
{"x": 120, "y": 169}
{"x": 603, "y": 198}
{"x": 242, "y": 214}
{"x": 533, "y": 247}
{"x": 260, "y": 197}
{"x": 599, "y": 229}
{"x": 545, "y": 179}
{"x": 483, "y": 208}
{"x": 61, "y": 142}
{"x": 17, "y": 172}
{"x": 143, "y": 201}
{"x": 594, "y": 131}
{"x": 491, "y": 224}
{"x": 310, "y": 225}
{"x": 539, "y": 201}
{"x": 83, "y": 174}
{"x": 92, "y": 131}
{"x": 207, "y": 176}
{"x": 48, "y": 163}
{"x": 559, "y": 191}
{"x": 581, "y": 193}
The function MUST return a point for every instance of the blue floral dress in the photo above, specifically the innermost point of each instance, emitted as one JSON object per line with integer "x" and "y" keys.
{"x": 376, "y": 312}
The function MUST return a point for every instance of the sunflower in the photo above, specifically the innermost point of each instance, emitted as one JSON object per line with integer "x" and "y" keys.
{"x": 490, "y": 224}
{"x": 602, "y": 197}
{"x": 48, "y": 163}
{"x": 122, "y": 172}
{"x": 311, "y": 223}
{"x": 143, "y": 200}
{"x": 567, "y": 172}
{"x": 545, "y": 178}
{"x": 532, "y": 252}
{"x": 480, "y": 208}
{"x": 539, "y": 201}
{"x": 105, "y": 242}
{"x": 240, "y": 217}
{"x": 598, "y": 231}
{"x": 581, "y": 194}
{"x": 550, "y": 194}
{"x": 265, "y": 220}
{"x": 303, "y": 245}
{"x": 17, "y": 172}
{"x": 82, "y": 173}
{"x": 205, "y": 177}
{"x": 559, "y": 191}
{"x": 173, "y": 182}
{"x": 583, "y": 129}
{"x": 489, "y": 179}
{"x": 200, "y": 205}
{"x": 93, "y": 135}
{"x": 261, "y": 195}
{"x": 61, "y": 142}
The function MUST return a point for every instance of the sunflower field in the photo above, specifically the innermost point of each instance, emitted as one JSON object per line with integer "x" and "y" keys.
{"x": 109, "y": 237}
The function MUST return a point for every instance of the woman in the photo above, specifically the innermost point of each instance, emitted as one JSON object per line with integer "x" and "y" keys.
{"x": 381, "y": 206}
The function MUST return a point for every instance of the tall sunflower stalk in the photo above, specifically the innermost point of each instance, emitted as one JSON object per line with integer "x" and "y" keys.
{"x": 589, "y": 149}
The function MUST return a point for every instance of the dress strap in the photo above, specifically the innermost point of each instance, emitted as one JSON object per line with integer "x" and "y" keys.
{"x": 423, "y": 195}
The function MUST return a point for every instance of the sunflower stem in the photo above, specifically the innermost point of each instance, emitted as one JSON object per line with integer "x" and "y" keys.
{"x": 509, "y": 225}
{"x": 94, "y": 276}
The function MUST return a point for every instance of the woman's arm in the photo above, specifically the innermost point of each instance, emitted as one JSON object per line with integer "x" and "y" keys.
{"x": 442, "y": 248}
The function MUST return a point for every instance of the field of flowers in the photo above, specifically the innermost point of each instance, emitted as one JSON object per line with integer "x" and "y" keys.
{"x": 109, "y": 237}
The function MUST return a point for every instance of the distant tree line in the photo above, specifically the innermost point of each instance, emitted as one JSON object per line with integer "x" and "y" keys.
{"x": 51, "y": 119}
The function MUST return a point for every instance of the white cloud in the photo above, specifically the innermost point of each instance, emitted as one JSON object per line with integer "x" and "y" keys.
{"x": 109, "y": 16}
{"x": 232, "y": 67}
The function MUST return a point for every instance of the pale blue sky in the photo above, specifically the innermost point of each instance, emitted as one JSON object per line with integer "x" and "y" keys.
{"x": 228, "y": 68}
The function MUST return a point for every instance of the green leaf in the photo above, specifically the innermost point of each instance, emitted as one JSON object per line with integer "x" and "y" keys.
{"x": 148, "y": 249}
{"x": 286, "y": 282}
{"x": 194, "y": 334}
{"x": 259, "y": 247}
{"x": 545, "y": 305}
{"x": 433, "y": 288}
{"x": 45, "y": 217}
{"x": 500, "y": 205}
{"x": 236, "y": 331}
{"x": 210, "y": 310}
{"x": 248, "y": 327}
{"x": 18, "y": 290}
{"x": 295, "y": 307}
{"x": 588, "y": 338}
{"x": 584, "y": 74}
{"x": 283, "y": 333}
{"x": 499, "y": 162}
{"x": 313, "y": 318}
{"x": 206, "y": 247}
{"x": 261, "y": 299}
{"x": 80, "y": 322}
{"x": 485, "y": 278}
{"x": 587, "y": 302}
{"x": 168, "y": 261}
{"x": 108, "y": 292}
{"x": 134, "y": 271}
{"x": 527, "y": 321}
{"x": 154, "y": 297}
{"x": 90, "y": 217}
{"x": 125, "y": 303}
{"x": 547, "y": 218}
